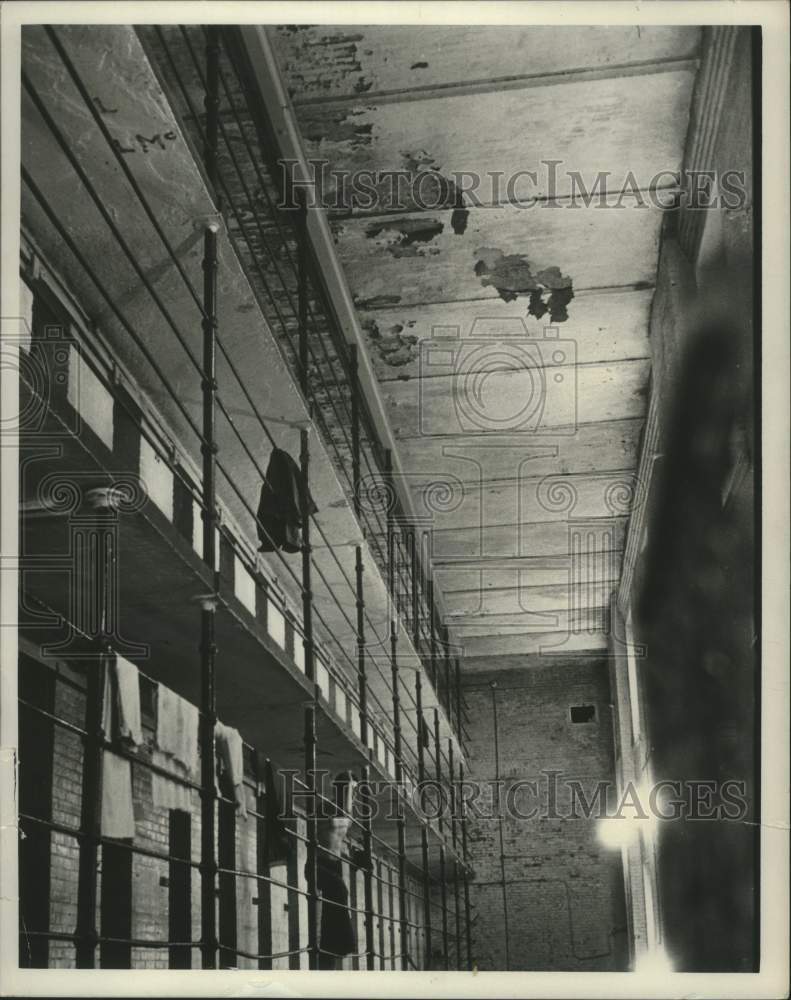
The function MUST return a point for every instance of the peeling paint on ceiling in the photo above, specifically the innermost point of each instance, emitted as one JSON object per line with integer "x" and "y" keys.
{"x": 512, "y": 275}
{"x": 394, "y": 346}
{"x": 401, "y": 237}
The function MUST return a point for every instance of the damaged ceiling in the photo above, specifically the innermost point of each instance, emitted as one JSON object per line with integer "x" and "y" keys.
{"x": 509, "y": 338}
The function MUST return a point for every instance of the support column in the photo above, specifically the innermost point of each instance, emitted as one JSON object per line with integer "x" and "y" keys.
{"x": 453, "y": 805}
{"x": 302, "y": 306}
{"x": 208, "y": 648}
{"x": 362, "y": 684}
{"x": 444, "y": 898}
{"x": 211, "y": 103}
{"x": 312, "y": 840}
{"x": 467, "y": 908}
{"x": 355, "y": 394}
{"x": 446, "y": 658}
{"x": 90, "y": 819}
{"x": 459, "y": 729}
{"x": 437, "y": 760}
{"x": 264, "y": 887}
{"x": 421, "y": 770}
{"x": 307, "y": 592}
{"x": 370, "y": 951}
{"x": 208, "y": 721}
{"x": 399, "y": 777}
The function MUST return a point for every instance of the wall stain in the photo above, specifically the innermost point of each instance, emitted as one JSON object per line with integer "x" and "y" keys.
{"x": 402, "y": 237}
{"x": 394, "y": 347}
{"x": 512, "y": 275}
{"x": 459, "y": 220}
{"x": 377, "y": 301}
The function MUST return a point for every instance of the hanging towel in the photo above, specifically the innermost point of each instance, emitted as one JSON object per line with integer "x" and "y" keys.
{"x": 275, "y": 832}
{"x": 118, "y": 818}
{"x": 121, "y": 702}
{"x": 279, "y": 516}
{"x": 229, "y": 747}
{"x": 344, "y": 784}
{"x": 167, "y": 794}
{"x": 120, "y": 722}
{"x": 177, "y": 729}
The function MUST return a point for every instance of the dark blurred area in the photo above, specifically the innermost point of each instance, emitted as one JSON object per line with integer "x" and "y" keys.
{"x": 696, "y": 613}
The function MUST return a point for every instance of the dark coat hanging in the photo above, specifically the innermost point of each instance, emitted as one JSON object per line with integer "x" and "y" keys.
{"x": 279, "y": 518}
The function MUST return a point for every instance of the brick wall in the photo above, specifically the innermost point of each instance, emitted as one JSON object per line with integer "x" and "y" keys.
{"x": 150, "y": 918}
{"x": 563, "y": 903}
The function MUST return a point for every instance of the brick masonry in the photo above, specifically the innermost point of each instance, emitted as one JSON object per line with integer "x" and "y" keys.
{"x": 149, "y": 875}
{"x": 562, "y": 905}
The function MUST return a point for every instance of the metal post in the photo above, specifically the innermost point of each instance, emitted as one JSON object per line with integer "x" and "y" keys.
{"x": 399, "y": 775}
{"x": 310, "y": 781}
{"x": 453, "y": 804}
{"x": 458, "y": 701}
{"x": 467, "y": 909}
{"x": 446, "y": 656}
{"x": 388, "y": 463}
{"x": 415, "y": 571}
{"x": 437, "y": 758}
{"x": 264, "y": 888}
{"x": 355, "y": 393}
{"x": 457, "y": 912}
{"x": 90, "y": 820}
{"x": 362, "y": 684}
{"x": 444, "y": 897}
{"x": 208, "y": 721}
{"x": 307, "y": 593}
{"x": 208, "y": 648}
{"x": 421, "y": 770}
{"x": 211, "y": 102}
{"x": 433, "y": 636}
{"x": 302, "y": 247}
{"x": 370, "y": 953}
{"x": 452, "y": 792}
{"x": 209, "y": 386}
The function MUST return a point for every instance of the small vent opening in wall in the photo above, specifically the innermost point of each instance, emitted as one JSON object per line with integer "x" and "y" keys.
{"x": 583, "y": 713}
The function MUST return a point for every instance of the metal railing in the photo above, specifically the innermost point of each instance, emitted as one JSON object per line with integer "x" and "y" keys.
{"x": 339, "y": 396}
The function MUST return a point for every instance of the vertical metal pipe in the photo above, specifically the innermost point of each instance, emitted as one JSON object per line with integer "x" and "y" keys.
{"x": 370, "y": 951}
{"x": 453, "y": 806}
{"x": 421, "y": 750}
{"x": 307, "y": 592}
{"x": 209, "y": 386}
{"x": 362, "y": 683}
{"x": 467, "y": 908}
{"x": 437, "y": 759}
{"x": 421, "y": 767}
{"x": 355, "y": 394}
{"x": 433, "y": 636}
{"x": 446, "y": 658}
{"x": 312, "y": 879}
{"x": 452, "y": 792}
{"x": 457, "y": 913}
{"x": 208, "y": 721}
{"x": 388, "y": 471}
{"x": 90, "y": 819}
{"x": 263, "y": 886}
{"x": 458, "y": 700}
{"x": 504, "y": 884}
{"x": 211, "y": 103}
{"x": 444, "y": 901}
{"x": 415, "y": 575}
{"x": 302, "y": 278}
{"x": 426, "y": 892}
{"x": 208, "y": 648}
{"x": 399, "y": 777}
